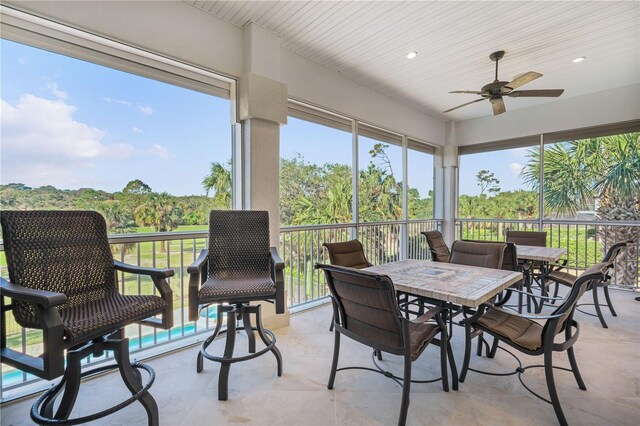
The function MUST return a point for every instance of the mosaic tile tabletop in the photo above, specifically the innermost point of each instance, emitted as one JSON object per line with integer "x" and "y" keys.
{"x": 459, "y": 284}
{"x": 545, "y": 254}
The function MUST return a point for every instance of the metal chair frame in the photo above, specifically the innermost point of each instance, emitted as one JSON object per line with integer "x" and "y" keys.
{"x": 611, "y": 255}
{"x": 404, "y": 349}
{"x": 552, "y": 327}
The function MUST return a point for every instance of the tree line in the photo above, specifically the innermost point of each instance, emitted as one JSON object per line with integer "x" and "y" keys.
{"x": 136, "y": 205}
{"x": 606, "y": 170}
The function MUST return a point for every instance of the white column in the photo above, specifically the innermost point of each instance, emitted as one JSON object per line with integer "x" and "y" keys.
{"x": 262, "y": 108}
{"x": 447, "y": 184}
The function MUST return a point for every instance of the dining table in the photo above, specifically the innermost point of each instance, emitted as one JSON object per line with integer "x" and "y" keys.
{"x": 462, "y": 285}
{"x": 541, "y": 254}
{"x": 544, "y": 256}
{"x": 447, "y": 285}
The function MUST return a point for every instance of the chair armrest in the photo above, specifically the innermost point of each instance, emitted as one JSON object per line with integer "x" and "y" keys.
{"x": 277, "y": 275}
{"x": 526, "y": 266}
{"x": 50, "y": 364}
{"x": 276, "y": 261}
{"x": 158, "y": 276}
{"x": 528, "y": 316}
{"x": 197, "y": 264}
{"x": 558, "y": 266}
{"x": 540, "y": 317}
{"x": 536, "y": 296}
{"x": 196, "y": 278}
{"x": 428, "y": 315}
{"x": 140, "y": 270}
{"x": 43, "y": 298}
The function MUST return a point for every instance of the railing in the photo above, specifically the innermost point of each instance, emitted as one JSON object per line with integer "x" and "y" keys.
{"x": 586, "y": 242}
{"x": 300, "y": 247}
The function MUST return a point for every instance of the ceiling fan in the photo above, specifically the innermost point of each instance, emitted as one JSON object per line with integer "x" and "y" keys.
{"x": 497, "y": 89}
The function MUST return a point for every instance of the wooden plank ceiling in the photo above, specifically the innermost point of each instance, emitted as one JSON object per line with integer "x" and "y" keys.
{"x": 368, "y": 42}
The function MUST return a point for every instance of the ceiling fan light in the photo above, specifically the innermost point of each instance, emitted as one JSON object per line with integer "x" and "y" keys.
{"x": 412, "y": 54}
{"x": 580, "y": 59}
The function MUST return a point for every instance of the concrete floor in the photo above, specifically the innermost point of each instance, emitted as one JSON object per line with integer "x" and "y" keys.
{"x": 608, "y": 358}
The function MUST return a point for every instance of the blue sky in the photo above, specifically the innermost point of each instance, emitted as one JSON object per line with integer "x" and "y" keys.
{"x": 505, "y": 165}
{"x": 320, "y": 144}
{"x": 74, "y": 124}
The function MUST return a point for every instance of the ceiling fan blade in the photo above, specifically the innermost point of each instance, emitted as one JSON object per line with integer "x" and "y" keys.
{"x": 498, "y": 106}
{"x": 470, "y": 92}
{"x": 550, "y": 93}
{"x": 523, "y": 79}
{"x": 468, "y": 103}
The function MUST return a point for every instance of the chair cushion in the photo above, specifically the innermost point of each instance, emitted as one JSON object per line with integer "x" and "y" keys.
{"x": 92, "y": 319}
{"x": 521, "y": 331}
{"x": 224, "y": 290}
{"x": 420, "y": 335}
{"x": 563, "y": 278}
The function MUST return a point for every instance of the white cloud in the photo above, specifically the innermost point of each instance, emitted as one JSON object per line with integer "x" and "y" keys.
{"x": 137, "y": 131}
{"x": 516, "y": 168}
{"x": 42, "y": 144}
{"x": 159, "y": 151}
{"x": 145, "y": 109}
{"x": 53, "y": 87}
{"x": 117, "y": 101}
{"x": 23, "y": 60}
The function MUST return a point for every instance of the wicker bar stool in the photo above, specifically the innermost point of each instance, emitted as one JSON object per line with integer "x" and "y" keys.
{"x": 63, "y": 281}
{"x": 238, "y": 268}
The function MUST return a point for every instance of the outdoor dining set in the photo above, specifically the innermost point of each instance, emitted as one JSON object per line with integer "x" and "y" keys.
{"x": 63, "y": 280}
{"x": 470, "y": 285}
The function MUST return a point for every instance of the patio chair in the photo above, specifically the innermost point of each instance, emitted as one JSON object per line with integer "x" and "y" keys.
{"x": 438, "y": 248}
{"x": 536, "y": 270}
{"x": 567, "y": 279}
{"x": 509, "y": 263}
{"x": 63, "y": 281}
{"x": 238, "y": 268}
{"x": 486, "y": 255}
{"x": 524, "y": 334}
{"x": 365, "y": 310}
{"x": 349, "y": 254}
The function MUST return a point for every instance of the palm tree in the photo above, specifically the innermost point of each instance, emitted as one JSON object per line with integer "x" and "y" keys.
{"x": 159, "y": 212}
{"x": 605, "y": 171}
{"x": 219, "y": 180}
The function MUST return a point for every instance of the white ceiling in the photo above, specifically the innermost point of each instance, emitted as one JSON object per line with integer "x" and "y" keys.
{"x": 367, "y": 42}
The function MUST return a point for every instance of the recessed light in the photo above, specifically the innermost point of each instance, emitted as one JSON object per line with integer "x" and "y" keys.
{"x": 580, "y": 59}
{"x": 412, "y": 55}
